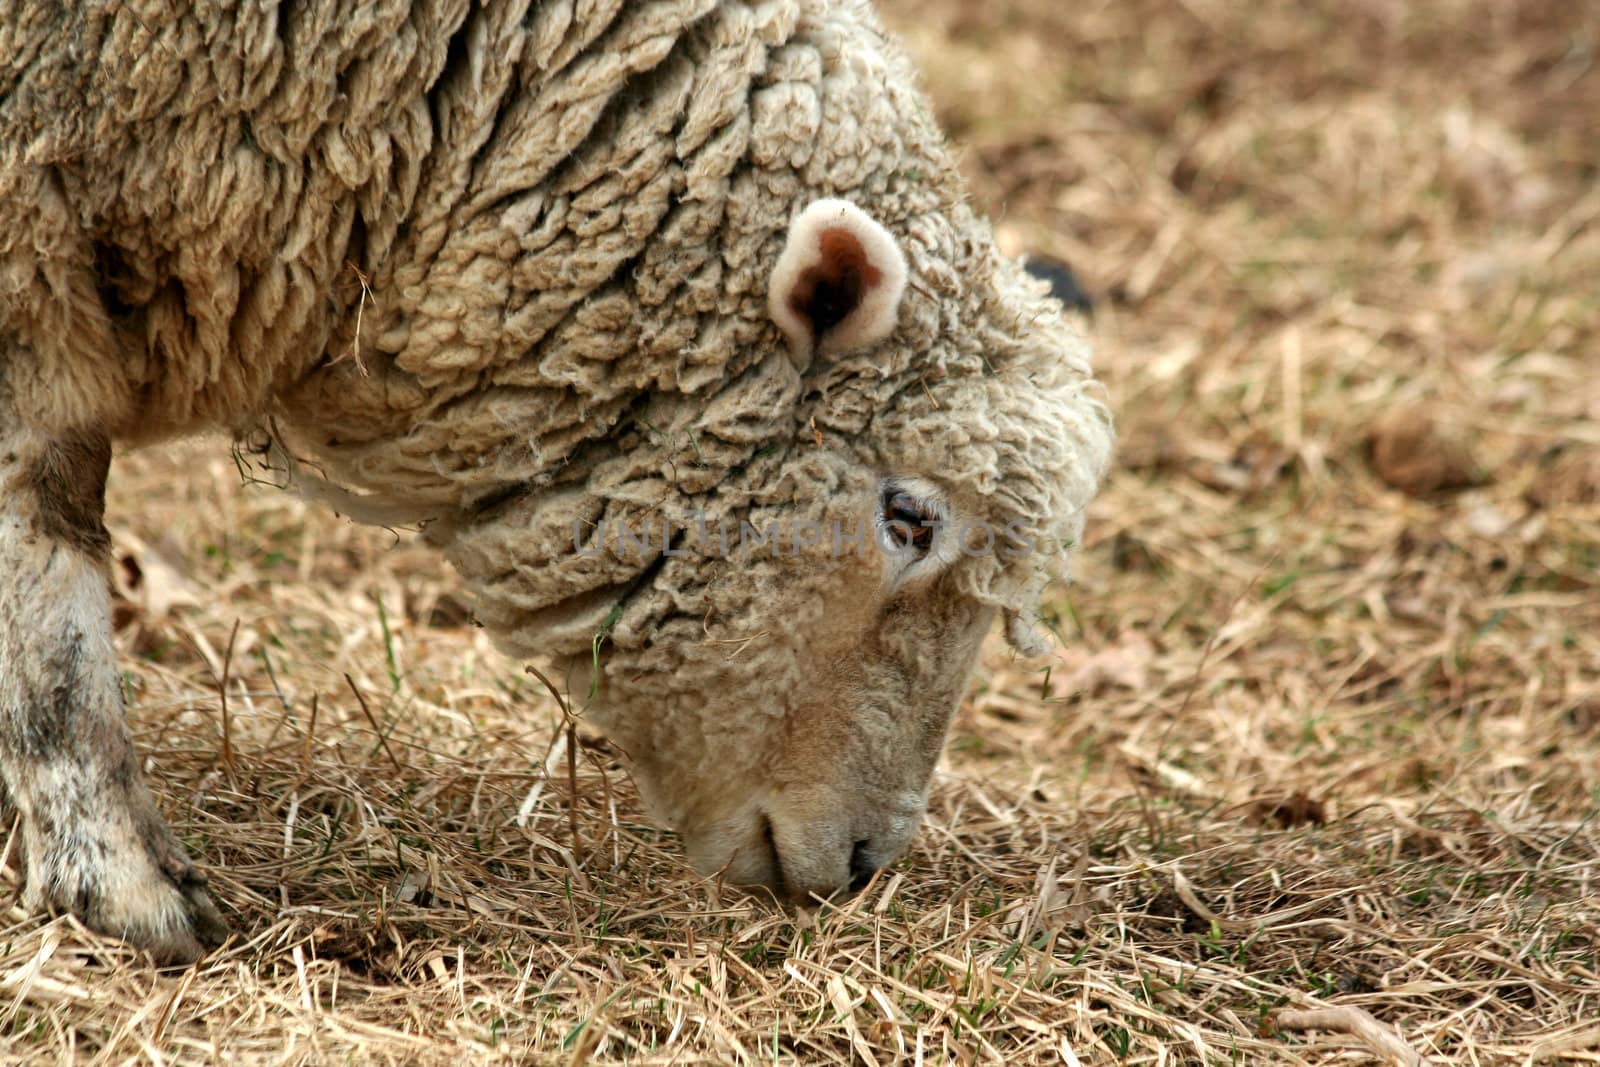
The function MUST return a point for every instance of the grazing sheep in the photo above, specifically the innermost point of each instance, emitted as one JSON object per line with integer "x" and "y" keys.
{"x": 667, "y": 321}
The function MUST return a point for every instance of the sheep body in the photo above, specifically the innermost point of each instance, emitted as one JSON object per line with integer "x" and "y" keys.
{"x": 503, "y": 272}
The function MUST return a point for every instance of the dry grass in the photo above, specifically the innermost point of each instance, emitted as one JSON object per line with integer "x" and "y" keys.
{"x": 1325, "y": 732}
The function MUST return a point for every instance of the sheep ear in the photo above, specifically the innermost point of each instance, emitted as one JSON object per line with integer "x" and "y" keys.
{"x": 838, "y": 283}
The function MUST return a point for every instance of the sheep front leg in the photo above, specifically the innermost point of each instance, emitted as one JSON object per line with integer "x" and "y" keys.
{"x": 96, "y": 845}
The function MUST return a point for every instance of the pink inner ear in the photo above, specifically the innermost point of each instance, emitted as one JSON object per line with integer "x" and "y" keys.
{"x": 830, "y": 289}
{"x": 842, "y": 251}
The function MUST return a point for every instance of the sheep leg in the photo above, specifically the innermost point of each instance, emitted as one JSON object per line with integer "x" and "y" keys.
{"x": 96, "y": 844}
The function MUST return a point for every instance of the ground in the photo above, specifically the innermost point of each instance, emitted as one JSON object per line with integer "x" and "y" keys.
{"x": 1324, "y": 729}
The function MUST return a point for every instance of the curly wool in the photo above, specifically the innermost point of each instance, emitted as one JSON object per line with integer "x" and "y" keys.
{"x": 503, "y": 271}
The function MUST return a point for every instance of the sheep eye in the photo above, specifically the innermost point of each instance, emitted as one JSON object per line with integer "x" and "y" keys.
{"x": 908, "y": 522}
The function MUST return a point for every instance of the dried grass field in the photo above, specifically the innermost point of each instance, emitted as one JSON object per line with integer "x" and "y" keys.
{"x": 1314, "y": 777}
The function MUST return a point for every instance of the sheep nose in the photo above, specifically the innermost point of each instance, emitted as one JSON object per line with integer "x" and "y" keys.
{"x": 793, "y": 880}
{"x": 800, "y": 874}
{"x": 862, "y": 866}
{"x": 806, "y": 848}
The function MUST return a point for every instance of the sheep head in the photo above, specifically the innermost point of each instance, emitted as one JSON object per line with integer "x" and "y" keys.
{"x": 783, "y": 662}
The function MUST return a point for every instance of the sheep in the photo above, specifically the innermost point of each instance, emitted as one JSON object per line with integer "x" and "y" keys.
{"x": 525, "y": 275}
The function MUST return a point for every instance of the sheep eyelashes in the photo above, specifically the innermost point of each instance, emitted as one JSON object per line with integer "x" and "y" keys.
{"x": 838, "y": 283}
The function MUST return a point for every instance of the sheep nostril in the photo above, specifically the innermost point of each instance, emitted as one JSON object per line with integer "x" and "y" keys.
{"x": 861, "y": 866}
{"x": 779, "y": 875}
